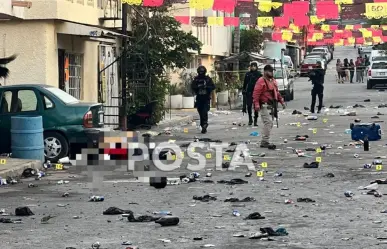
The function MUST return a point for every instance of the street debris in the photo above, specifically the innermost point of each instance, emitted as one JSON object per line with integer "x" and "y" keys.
{"x": 23, "y": 211}
{"x": 116, "y": 211}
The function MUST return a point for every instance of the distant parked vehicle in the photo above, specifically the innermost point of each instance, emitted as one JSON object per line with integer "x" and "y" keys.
{"x": 68, "y": 123}
{"x": 324, "y": 50}
{"x": 308, "y": 65}
{"x": 377, "y": 74}
{"x": 284, "y": 80}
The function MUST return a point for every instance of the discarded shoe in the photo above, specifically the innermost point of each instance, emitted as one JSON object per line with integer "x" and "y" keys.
{"x": 247, "y": 199}
{"x": 305, "y": 200}
{"x": 367, "y": 100}
{"x": 329, "y": 175}
{"x": 205, "y": 198}
{"x": 115, "y": 211}
{"x": 255, "y": 216}
{"x": 233, "y": 181}
{"x": 23, "y": 211}
{"x": 312, "y": 165}
{"x": 168, "y": 221}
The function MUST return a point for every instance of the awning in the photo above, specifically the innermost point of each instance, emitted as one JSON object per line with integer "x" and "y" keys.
{"x": 245, "y": 56}
{"x": 70, "y": 28}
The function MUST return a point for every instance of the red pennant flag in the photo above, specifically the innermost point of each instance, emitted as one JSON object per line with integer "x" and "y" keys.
{"x": 359, "y": 40}
{"x": 377, "y": 33}
{"x": 152, "y": 3}
{"x": 357, "y": 26}
{"x": 384, "y": 38}
{"x": 231, "y": 21}
{"x": 277, "y": 36}
{"x": 380, "y": 1}
{"x": 347, "y": 33}
{"x": 227, "y": 6}
{"x": 282, "y": 21}
{"x": 327, "y": 10}
{"x": 183, "y": 19}
{"x": 301, "y": 20}
{"x": 334, "y": 27}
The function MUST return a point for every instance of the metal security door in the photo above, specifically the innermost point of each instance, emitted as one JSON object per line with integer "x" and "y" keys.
{"x": 109, "y": 86}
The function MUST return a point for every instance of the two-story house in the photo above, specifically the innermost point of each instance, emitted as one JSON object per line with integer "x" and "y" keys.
{"x": 216, "y": 40}
{"x": 64, "y": 43}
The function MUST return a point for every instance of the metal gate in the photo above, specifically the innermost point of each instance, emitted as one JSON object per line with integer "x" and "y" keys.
{"x": 109, "y": 89}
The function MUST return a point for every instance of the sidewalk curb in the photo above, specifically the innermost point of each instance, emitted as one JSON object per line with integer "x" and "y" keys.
{"x": 182, "y": 119}
{"x": 17, "y": 170}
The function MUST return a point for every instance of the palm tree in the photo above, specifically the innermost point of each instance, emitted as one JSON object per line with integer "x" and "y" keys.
{"x": 4, "y": 72}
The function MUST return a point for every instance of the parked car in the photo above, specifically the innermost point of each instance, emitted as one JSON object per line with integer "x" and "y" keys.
{"x": 308, "y": 64}
{"x": 319, "y": 57}
{"x": 377, "y": 74}
{"x": 323, "y": 50}
{"x": 319, "y": 54}
{"x": 284, "y": 80}
{"x": 68, "y": 123}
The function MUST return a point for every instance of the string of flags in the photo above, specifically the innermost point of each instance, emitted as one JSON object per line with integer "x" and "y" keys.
{"x": 296, "y": 10}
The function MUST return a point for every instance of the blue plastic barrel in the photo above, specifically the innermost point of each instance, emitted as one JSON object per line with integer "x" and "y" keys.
{"x": 27, "y": 137}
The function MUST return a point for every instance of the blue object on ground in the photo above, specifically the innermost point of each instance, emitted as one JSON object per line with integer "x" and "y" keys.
{"x": 27, "y": 140}
{"x": 254, "y": 134}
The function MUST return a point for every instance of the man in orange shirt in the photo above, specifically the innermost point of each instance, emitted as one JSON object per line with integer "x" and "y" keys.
{"x": 265, "y": 96}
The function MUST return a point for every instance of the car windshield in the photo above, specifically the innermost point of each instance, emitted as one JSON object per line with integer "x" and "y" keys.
{"x": 321, "y": 50}
{"x": 379, "y": 58}
{"x": 62, "y": 95}
{"x": 379, "y": 65}
{"x": 278, "y": 74}
{"x": 310, "y": 61}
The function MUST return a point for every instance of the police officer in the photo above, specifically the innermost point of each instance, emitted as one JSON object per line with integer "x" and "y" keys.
{"x": 248, "y": 88}
{"x": 317, "y": 77}
{"x": 202, "y": 86}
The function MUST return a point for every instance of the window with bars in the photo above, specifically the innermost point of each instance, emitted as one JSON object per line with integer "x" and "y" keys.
{"x": 74, "y": 79}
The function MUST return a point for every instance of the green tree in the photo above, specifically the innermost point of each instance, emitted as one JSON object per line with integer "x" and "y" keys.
{"x": 158, "y": 43}
{"x": 251, "y": 40}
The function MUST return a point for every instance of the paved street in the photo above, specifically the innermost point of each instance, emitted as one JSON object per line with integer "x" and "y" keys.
{"x": 333, "y": 221}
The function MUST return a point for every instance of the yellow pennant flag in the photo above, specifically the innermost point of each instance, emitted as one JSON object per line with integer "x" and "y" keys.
{"x": 339, "y": 31}
{"x": 264, "y": 6}
{"x": 375, "y": 26}
{"x": 295, "y": 28}
{"x": 318, "y": 36}
{"x": 339, "y": 43}
{"x": 367, "y": 33}
{"x": 316, "y": 20}
{"x": 351, "y": 40}
{"x": 266, "y": 21}
{"x": 377, "y": 39}
{"x": 384, "y": 27}
{"x": 214, "y": 21}
{"x": 349, "y": 27}
{"x": 132, "y": 2}
{"x": 376, "y": 10}
{"x": 325, "y": 27}
{"x": 201, "y": 4}
{"x": 343, "y": 1}
{"x": 287, "y": 36}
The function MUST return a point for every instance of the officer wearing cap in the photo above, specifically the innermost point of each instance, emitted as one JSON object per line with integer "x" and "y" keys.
{"x": 265, "y": 96}
{"x": 317, "y": 76}
{"x": 251, "y": 79}
{"x": 202, "y": 86}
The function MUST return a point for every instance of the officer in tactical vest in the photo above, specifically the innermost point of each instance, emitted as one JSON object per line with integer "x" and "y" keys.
{"x": 251, "y": 79}
{"x": 202, "y": 86}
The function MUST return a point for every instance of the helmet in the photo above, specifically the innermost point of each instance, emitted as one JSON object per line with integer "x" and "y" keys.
{"x": 202, "y": 70}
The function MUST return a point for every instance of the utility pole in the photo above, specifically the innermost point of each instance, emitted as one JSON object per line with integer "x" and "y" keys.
{"x": 123, "y": 114}
{"x": 237, "y": 40}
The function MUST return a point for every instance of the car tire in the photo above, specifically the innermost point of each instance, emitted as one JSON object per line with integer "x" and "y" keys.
{"x": 369, "y": 84}
{"x": 54, "y": 139}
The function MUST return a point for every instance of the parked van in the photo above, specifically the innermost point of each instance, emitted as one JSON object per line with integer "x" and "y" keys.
{"x": 378, "y": 55}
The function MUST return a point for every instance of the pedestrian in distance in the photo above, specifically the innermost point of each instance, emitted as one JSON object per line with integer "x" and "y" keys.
{"x": 346, "y": 69}
{"x": 265, "y": 98}
{"x": 351, "y": 71}
{"x": 317, "y": 77}
{"x": 202, "y": 86}
{"x": 340, "y": 72}
{"x": 251, "y": 79}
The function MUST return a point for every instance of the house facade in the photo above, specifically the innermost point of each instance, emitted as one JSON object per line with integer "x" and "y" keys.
{"x": 64, "y": 43}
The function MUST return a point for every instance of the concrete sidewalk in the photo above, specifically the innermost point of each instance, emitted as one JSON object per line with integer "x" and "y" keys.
{"x": 13, "y": 167}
